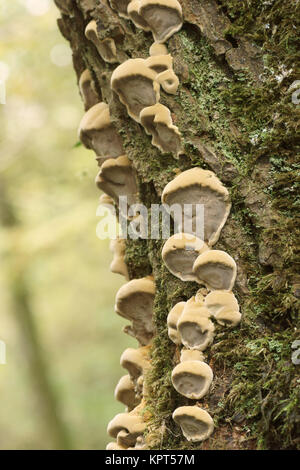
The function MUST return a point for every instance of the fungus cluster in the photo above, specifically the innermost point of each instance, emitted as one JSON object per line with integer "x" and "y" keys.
{"x": 188, "y": 255}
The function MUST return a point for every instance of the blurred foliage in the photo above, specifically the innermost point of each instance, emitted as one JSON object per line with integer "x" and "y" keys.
{"x": 50, "y": 190}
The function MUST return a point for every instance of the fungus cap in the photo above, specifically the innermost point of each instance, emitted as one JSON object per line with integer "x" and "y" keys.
{"x": 179, "y": 254}
{"x": 140, "y": 444}
{"x": 228, "y": 317}
{"x": 135, "y": 361}
{"x": 98, "y": 133}
{"x": 200, "y": 295}
{"x": 114, "y": 446}
{"x": 172, "y": 320}
{"x": 106, "y": 47}
{"x": 90, "y": 31}
{"x": 117, "y": 178}
{"x": 140, "y": 387}
{"x": 157, "y": 122}
{"x": 87, "y": 90}
{"x": 133, "y": 13}
{"x": 218, "y": 299}
{"x": 163, "y": 66}
{"x": 194, "y": 306}
{"x": 96, "y": 118}
{"x": 191, "y": 355}
{"x": 126, "y": 427}
{"x": 105, "y": 199}
{"x": 164, "y": 17}
{"x": 216, "y": 270}
{"x": 134, "y": 301}
{"x": 107, "y": 202}
{"x": 196, "y": 330}
{"x": 125, "y": 392}
{"x": 136, "y": 85}
{"x": 196, "y": 424}
{"x": 200, "y": 187}
{"x": 192, "y": 379}
{"x": 118, "y": 265}
{"x": 157, "y": 49}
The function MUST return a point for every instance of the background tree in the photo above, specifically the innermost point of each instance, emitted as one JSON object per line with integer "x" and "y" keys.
{"x": 48, "y": 222}
{"x": 236, "y": 62}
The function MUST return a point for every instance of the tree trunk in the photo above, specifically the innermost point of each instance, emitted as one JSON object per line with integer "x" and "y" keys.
{"x": 235, "y": 61}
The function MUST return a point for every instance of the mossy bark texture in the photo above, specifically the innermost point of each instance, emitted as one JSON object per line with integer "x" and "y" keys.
{"x": 236, "y": 61}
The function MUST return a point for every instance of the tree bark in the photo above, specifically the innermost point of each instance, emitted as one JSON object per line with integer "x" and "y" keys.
{"x": 235, "y": 61}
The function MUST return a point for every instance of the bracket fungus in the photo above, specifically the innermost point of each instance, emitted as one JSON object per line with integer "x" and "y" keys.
{"x": 163, "y": 66}
{"x": 158, "y": 49}
{"x": 157, "y": 122}
{"x": 191, "y": 355}
{"x": 117, "y": 178}
{"x": 200, "y": 188}
{"x": 120, "y": 6}
{"x": 216, "y": 270}
{"x": 106, "y": 47}
{"x": 136, "y": 85}
{"x": 105, "y": 199}
{"x": 201, "y": 295}
{"x": 134, "y": 301}
{"x": 140, "y": 387}
{"x": 126, "y": 427}
{"x": 137, "y": 82}
{"x": 224, "y": 306}
{"x": 118, "y": 265}
{"x": 196, "y": 424}
{"x": 163, "y": 17}
{"x": 133, "y": 13}
{"x": 87, "y": 90}
{"x": 107, "y": 202}
{"x": 114, "y": 446}
{"x": 125, "y": 392}
{"x": 196, "y": 306}
{"x": 172, "y": 320}
{"x": 98, "y": 133}
{"x": 192, "y": 378}
{"x": 195, "y": 328}
{"x": 179, "y": 254}
{"x": 135, "y": 361}
{"x": 228, "y": 317}
{"x": 140, "y": 444}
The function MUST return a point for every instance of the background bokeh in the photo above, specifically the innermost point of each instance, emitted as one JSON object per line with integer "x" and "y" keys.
{"x": 57, "y": 294}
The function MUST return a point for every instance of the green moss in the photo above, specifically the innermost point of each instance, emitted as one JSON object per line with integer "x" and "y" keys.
{"x": 136, "y": 258}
